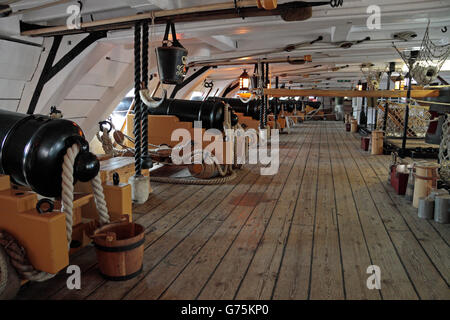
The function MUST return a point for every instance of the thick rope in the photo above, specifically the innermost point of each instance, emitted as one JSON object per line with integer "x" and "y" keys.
{"x": 67, "y": 188}
{"x": 137, "y": 99}
{"x": 194, "y": 181}
{"x": 145, "y": 40}
{"x": 100, "y": 202}
{"x": 19, "y": 260}
{"x": 3, "y": 273}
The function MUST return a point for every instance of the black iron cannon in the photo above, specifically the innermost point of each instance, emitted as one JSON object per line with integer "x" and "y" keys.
{"x": 33, "y": 147}
{"x": 210, "y": 112}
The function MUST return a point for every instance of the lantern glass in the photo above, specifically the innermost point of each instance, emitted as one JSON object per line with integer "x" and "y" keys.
{"x": 244, "y": 81}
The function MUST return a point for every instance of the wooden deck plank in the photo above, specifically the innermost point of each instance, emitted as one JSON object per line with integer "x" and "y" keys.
{"x": 259, "y": 280}
{"x": 201, "y": 255}
{"x": 355, "y": 252}
{"x": 310, "y": 231}
{"x": 425, "y": 277}
{"x": 395, "y": 282}
{"x": 326, "y": 268}
{"x": 442, "y": 229}
{"x": 92, "y": 280}
{"x": 85, "y": 259}
{"x": 225, "y": 281}
{"x": 293, "y": 278}
{"x": 160, "y": 242}
{"x": 431, "y": 241}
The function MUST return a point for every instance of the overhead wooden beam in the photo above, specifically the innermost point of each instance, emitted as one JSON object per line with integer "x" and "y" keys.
{"x": 224, "y": 62}
{"x": 225, "y": 10}
{"x": 350, "y": 93}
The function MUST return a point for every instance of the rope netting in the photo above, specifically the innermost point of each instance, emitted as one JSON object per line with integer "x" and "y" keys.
{"x": 419, "y": 118}
{"x": 444, "y": 151}
{"x": 426, "y": 63}
{"x": 373, "y": 77}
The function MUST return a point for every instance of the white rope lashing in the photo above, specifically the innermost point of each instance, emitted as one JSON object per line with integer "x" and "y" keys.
{"x": 67, "y": 188}
{"x": 67, "y": 192}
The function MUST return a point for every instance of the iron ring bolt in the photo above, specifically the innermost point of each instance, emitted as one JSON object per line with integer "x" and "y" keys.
{"x": 50, "y": 207}
{"x": 103, "y": 123}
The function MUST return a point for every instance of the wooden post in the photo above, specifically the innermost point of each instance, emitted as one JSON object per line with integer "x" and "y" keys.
{"x": 377, "y": 142}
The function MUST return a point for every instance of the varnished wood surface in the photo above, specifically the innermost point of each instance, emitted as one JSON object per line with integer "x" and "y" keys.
{"x": 309, "y": 232}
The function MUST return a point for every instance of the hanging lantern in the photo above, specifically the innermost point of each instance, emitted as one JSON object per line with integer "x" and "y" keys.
{"x": 244, "y": 81}
{"x": 399, "y": 82}
{"x": 360, "y": 86}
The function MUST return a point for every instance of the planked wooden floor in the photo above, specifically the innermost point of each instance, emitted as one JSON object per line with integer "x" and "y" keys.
{"x": 309, "y": 232}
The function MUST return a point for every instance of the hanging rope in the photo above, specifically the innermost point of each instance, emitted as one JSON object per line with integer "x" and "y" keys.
{"x": 67, "y": 188}
{"x": 145, "y": 40}
{"x": 137, "y": 99}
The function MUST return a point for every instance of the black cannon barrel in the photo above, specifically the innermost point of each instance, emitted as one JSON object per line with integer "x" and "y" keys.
{"x": 312, "y": 104}
{"x": 250, "y": 109}
{"x": 211, "y": 113}
{"x": 32, "y": 149}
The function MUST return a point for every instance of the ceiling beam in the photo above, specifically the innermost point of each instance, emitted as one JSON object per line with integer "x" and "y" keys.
{"x": 340, "y": 33}
{"x": 223, "y": 43}
{"x": 351, "y": 93}
{"x": 224, "y": 10}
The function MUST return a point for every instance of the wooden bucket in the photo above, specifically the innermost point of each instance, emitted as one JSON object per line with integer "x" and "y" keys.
{"x": 354, "y": 125}
{"x": 377, "y": 142}
{"x": 425, "y": 180}
{"x": 120, "y": 249}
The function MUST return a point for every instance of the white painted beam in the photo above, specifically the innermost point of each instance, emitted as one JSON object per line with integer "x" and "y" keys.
{"x": 223, "y": 43}
{"x": 74, "y": 77}
{"x": 340, "y": 32}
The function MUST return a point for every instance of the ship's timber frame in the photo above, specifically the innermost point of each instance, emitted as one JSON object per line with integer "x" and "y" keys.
{"x": 225, "y": 10}
{"x": 50, "y": 69}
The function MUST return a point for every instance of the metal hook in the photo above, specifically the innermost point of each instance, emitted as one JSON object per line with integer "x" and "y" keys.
{"x": 444, "y": 29}
{"x": 238, "y": 10}
{"x": 149, "y": 101}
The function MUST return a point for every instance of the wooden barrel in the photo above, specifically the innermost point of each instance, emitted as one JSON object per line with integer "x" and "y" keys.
{"x": 377, "y": 142}
{"x": 354, "y": 125}
{"x": 425, "y": 180}
{"x": 120, "y": 250}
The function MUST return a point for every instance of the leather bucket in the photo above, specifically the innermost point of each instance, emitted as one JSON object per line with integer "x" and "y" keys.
{"x": 171, "y": 59}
